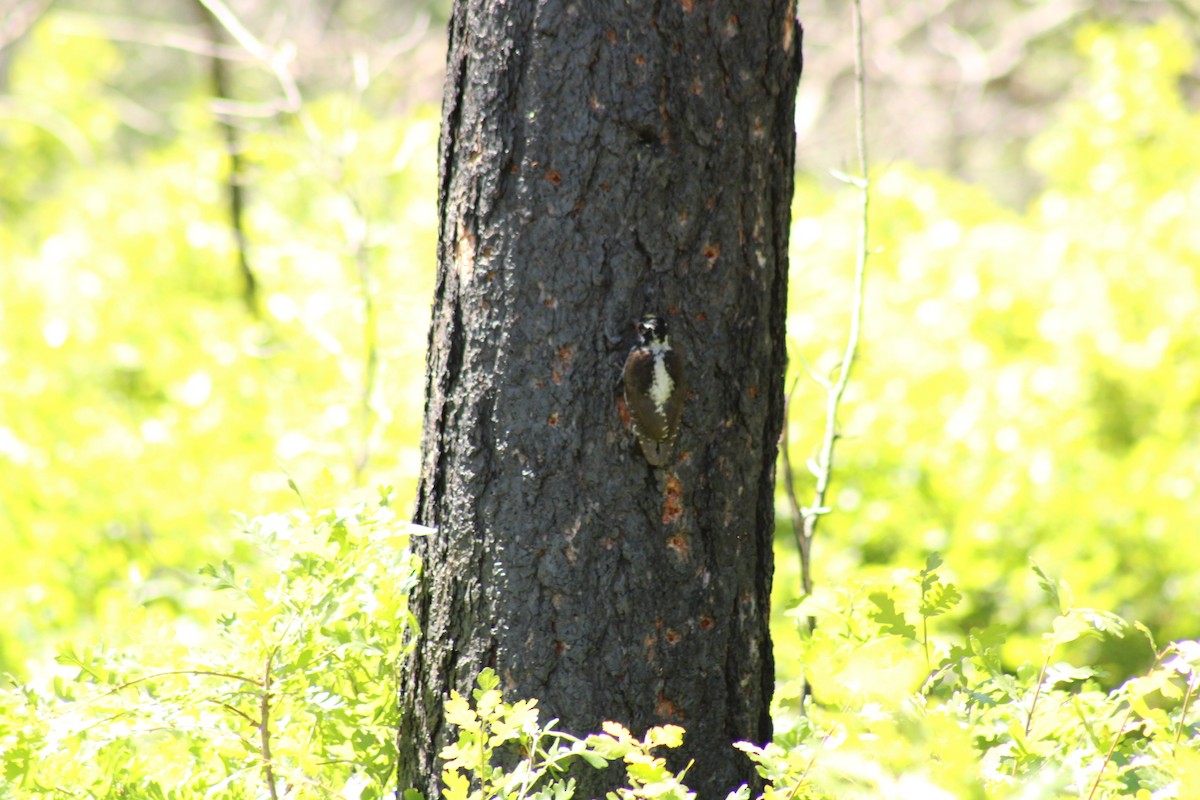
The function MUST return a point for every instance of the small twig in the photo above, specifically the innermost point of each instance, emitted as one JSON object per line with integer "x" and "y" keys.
{"x": 264, "y": 728}
{"x": 168, "y": 673}
{"x": 790, "y": 484}
{"x": 1037, "y": 692}
{"x": 232, "y": 709}
{"x": 145, "y": 32}
{"x": 925, "y": 637}
{"x": 359, "y": 245}
{"x": 1111, "y": 749}
{"x": 1187, "y": 699}
{"x": 278, "y": 61}
{"x": 835, "y": 391}
{"x": 807, "y": 768}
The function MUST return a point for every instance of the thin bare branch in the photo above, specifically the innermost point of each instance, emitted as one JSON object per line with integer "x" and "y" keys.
{"x": 145, "y": 32}
{"x": 810, "y": 516}
{"x": 790, "y": 483}
{"x": 264, "y": 728}
{"x": 277, "y": 61}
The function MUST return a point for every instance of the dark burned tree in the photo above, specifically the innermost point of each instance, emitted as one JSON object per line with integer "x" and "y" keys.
{"x": 601, "y": 159}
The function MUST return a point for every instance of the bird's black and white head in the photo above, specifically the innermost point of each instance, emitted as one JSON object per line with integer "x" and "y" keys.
{"x": 652, "y": 330}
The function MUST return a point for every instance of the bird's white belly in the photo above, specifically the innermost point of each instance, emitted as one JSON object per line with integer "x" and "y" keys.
{"x": 661, "y": 384}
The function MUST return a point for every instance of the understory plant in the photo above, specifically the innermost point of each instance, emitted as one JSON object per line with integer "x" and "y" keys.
{"x": 291, "y": 692}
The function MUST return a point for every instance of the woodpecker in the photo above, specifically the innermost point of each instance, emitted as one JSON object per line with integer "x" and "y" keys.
{"x": 654, "y": 389}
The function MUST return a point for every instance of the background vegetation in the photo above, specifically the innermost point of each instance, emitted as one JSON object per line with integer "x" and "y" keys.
{"x": 1029, "y": 390}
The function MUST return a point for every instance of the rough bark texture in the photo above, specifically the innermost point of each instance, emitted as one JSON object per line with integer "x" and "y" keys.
{"x": 601, "y": 159}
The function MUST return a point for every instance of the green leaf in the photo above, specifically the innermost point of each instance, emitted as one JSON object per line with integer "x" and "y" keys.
{"x": 929, "y": 574}
{"x": 593, "y": 758}
{"x": 487, "y": 679}
{"x": 1141, "y": 628}
{"x": 1105, "y": 621}
{"x": 889, "y": 618}
{"x": 939, "y": 598}
{"x": 1066, "y": 628}
{"x": 1067, "y": 673}
{"x": 456, "y": 786}
{"x": 459, "y": 712}
{"x": 1048, "y": 586}
{"x": 664, "y": 736}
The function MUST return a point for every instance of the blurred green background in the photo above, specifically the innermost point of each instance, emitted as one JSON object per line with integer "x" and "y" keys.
{"x": 1029, "y": 383}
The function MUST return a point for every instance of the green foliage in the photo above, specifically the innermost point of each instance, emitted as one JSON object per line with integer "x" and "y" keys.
{"x": 1028, "y": 381}
{"x": 878, "y": 721}
{"x": 490, "y": 725}
{"x": 140, "y": 402}
{"x": 297, "y": 691}
{"x": 489, "y": 728}
{"x": 293, "y": 690}
{"x": 883, "y": 719}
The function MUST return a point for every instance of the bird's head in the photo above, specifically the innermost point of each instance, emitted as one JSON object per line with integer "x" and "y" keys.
{"x": 652, "y": 329}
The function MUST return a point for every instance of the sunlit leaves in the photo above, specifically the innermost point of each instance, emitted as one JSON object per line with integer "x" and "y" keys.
{"x": 1028, "y": 382}
{"x": 1047, "y": 727}
{"x": 140, "y": 402}
{"x": 305, "y": 659}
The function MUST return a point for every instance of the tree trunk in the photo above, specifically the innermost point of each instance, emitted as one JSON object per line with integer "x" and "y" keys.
{"x": 601, "y": 160}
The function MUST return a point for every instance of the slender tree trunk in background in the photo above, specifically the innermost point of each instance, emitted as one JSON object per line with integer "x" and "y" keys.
{"x": 601, "y": 160}
{"x": 222, "y": 89}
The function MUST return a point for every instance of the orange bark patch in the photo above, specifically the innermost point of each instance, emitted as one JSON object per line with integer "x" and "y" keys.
{"x": 666, "y": 709}
{"x": 623, "y": 412}
{"x": 711, "y": 253}
{"x": 789, "y": 26}
{"x": 679, "y": 545}
{"x": 562, "y": 362}
{"x": 707, "y": 622}
{"x": 672, "y": 500}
